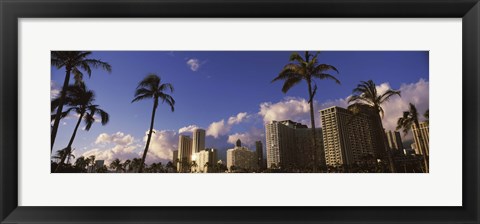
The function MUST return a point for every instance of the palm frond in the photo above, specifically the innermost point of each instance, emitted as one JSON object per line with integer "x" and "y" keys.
{"x": 142, "y": 97}
{"x": 289, "y": 83}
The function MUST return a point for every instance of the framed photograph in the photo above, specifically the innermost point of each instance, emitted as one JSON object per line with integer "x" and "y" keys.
{"x": 246, "y": 112}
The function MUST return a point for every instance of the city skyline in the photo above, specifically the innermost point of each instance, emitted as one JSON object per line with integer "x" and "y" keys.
{"x": 228, "y": 94}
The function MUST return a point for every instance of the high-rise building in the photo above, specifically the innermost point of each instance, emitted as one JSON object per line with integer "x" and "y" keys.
{"x": 259, "y": 151}
{"x": 184, "y": 153}
{"x": 349, "y": 137}
{"x": 394, "y": 140}
{"x": 289, "y": 144}
{"x": 198, "y": 140}
{"x": 241, "y": 158}
{"x": 421, "y": 138}
{"x": 205, "y": 160}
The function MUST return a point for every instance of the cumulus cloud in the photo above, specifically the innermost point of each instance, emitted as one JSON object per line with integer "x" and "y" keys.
{"x": 161, "y": 147}
{"x": 54, "y": 89}
{"x": 221, "y": 127}
{"x": 290, "y": 108}
{"x": 194, "y": 64}
{"x": 162, "y": 144}
{"x": 415, "y": 93}
{"x": 120, "y": 152}
{"x": 118, "y": 138}
{"x": 189, "y": 128}
{"x": 248, "y": 138}
{"x": 240, "y": 117}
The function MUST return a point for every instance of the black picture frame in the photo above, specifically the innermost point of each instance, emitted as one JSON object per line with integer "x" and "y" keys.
{"x": 11, "y": 11}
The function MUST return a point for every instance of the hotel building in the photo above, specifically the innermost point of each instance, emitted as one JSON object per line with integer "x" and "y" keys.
{"x": 394, "y": 140}
{"x": 241, "y": 158}
{"x": 198, "y": 140}
{"x": 184, "y": 153}
{"x": 205, "y": 160}
{"x": 290, "y": 144}
{"x": 421, "y": 138}
{"x": 348, "y": 137}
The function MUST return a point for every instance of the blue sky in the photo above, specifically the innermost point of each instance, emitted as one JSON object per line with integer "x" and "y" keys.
{"x": 211, "y": 86}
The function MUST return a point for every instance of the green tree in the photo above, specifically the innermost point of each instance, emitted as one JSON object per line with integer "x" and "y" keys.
{"x": 81, "y": 163}
{"x": 306, "y": 69}
{"x": 405, "y": 122}
{"x": 151, "y": 87}
{"x": 366, "y": 95}
{"x": 116, "y": 165}
{"x": 74, "y": 63}
{"x": 80, "y": 100}
{"x": 426, "y": 115}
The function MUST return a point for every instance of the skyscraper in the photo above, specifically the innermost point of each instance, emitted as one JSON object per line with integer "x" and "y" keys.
{"x": 394, "y": 140}
{"x": 175, "y": 156}
{"x": 198, "y": 140}
{"x": 289, "y": 144}
{"x": 348, "y": 138}
{"x": 184, "y": 153}
{"x": 421, "y": 137}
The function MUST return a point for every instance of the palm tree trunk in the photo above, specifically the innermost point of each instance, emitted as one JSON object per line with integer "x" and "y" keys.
{"x": 155, "y": 103}
{"x": 59, "y": 109}
{"x": 422, "y": 146}
{"x": 312, "y": 121}
{"x": 69, "y": 147}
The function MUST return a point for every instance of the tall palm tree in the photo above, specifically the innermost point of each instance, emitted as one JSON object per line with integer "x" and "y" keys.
{"x": 80, "y": 100}
{"x": 81, "y": 163}
{"x": 406, "y": 122}
{"x": 151, "y": 87}
{"x": 366, "y": 95}
{"x": 116, "y": 165}
{"x": 74, "y": 63}
{"x": 306, "y": 69}
{"x": 62, "y": 155}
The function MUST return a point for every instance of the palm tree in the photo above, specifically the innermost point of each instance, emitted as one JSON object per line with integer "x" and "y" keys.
{"x": 81, "y": 163}
{"x": 151, "y": 87}
{"x": 74, "y": 62}
{"x": 62, "y": 155}
{"x": 116, "y": 165}
{"x": 135, "y": 164}
{"x": 126, "y": 164}
{"x": 426, "y": 115}
{"x": 80, "y": 100}
{"x": 366, "y": 95}
{"x": 306, "y": 69}
{"x": 408, "y": 119}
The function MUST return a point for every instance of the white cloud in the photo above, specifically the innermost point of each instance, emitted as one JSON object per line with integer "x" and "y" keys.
{"x": 161, "y": 147}
{"x": 238, "y": 119}
{"x": 247, "y": 138}
{"x": 54, "y": 89}
{"x": 189, "y": 128}
{"x": 194, "y": 64}
{"x": 221, "y": 127}
{"x": 118, "y": 138}
{"x": 162, "y": 144}
{"x": 218, "y": 128}
{"x": 120, "y": 152}
{"x": 416, "y": 93}
{"x": 290, "y": 108}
